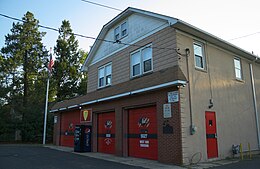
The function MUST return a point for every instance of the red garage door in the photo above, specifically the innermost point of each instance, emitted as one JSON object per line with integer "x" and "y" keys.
{"x": 142, "y": 133}
{"x": 68, "y": 122}
{"x": 106, "y": 133}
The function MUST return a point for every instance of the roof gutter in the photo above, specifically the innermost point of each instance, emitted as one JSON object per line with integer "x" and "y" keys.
{"x": 176, "y": 82}
{"x": 190, "y": 29}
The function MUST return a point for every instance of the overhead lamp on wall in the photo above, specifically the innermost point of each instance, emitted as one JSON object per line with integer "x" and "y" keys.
{"x": 210, "y": 103}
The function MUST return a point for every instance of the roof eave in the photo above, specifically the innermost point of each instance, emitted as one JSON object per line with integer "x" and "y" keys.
{"x": 116, "y": 20}
{"x": 190, "y": 29}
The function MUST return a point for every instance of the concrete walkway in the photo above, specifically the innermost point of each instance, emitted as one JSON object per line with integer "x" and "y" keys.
{"x": 151, "y": 164}
{"x": 123, "y": 160}
{"x": 212, "y": 164}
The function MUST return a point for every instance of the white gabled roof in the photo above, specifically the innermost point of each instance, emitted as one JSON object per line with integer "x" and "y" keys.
{"x": 174, "y": 22}
{"x": 129, "y": 11}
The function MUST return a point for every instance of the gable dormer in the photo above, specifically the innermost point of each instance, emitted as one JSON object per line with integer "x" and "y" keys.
{"x": 127, "y": 28}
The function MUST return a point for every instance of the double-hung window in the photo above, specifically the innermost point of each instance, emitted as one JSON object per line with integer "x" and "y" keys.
{"x": 141, "y": 61}
{"x": 105, "y": 75}
{"x": 238, "y": 70}
{"x": 199, "y": 55}
{"x": 117, "y": 33}
{"x": 121, "y": 31}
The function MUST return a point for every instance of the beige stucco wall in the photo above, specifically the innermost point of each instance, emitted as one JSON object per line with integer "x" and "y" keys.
{"x": 233, "y": 100}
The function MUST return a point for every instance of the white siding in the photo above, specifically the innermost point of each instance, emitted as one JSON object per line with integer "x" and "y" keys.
{"x": 138, "y": 26}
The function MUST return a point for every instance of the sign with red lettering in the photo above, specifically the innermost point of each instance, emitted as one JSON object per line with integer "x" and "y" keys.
{"x": 86, "y": 115}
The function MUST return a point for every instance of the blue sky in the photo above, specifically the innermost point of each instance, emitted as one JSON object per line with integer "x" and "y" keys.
{"x": 225, "y": 19}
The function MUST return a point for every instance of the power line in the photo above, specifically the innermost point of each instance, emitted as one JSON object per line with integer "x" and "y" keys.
{"x": 88, "y": 37}
{"x": 105, "y": 6}
{"x": 244, "y": 36}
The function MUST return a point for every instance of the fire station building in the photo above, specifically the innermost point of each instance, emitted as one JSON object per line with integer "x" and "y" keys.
{"x": 162, "y": 89}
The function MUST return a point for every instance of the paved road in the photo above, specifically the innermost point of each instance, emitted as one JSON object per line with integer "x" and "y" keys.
{"x": 245, "y": 164}
{"x": 37, "y": 157}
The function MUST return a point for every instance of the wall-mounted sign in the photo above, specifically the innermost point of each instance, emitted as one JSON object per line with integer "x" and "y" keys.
{"x": 86, "y": 115}
{"x": 55, "y": 119}
{"x": 167, "y": 111}
{"x": 173, "y": 96}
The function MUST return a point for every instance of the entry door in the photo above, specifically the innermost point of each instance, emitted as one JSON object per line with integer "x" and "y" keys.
{"x": 211, "y": 135}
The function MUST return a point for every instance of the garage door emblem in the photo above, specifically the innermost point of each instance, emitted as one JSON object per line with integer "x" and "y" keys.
{"x": 71, "y": 126}
{"x": 85, "y": 114}
{"x": 108, "y": 124}
{"x": 108, "y": 141}
{"x": 144, "y": 122}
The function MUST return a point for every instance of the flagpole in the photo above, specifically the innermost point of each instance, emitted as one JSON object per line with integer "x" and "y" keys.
{"x": 51, "y": 62}
{"x": 46, "y": 109}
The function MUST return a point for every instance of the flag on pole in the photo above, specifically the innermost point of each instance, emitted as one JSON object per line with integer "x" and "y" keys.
{"x": 51, "y": 63}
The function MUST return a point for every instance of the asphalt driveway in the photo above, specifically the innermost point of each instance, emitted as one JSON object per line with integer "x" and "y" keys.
{"x": 38, "y": 157}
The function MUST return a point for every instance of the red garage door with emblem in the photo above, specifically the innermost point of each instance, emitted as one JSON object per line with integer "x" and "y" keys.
{"x": 142, "y": 133}
{"x": 106, "y": 133}
{"x": 68, "y": 122}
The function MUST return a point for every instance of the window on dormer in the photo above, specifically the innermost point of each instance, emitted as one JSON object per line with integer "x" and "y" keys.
{"x": 117, "y": 33}
{"x": 121, "y": 31}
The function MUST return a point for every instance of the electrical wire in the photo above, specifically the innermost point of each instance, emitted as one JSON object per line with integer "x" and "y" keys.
{"x": 105, "y": 6}
{"x": 88, "y": 37}
{"x": 244, "y": 36}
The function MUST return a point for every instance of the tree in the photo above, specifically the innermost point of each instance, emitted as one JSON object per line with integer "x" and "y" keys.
{"x": 67, "y": 64}
{"x": 23, "y": 72}
{"x": 82, "y": 88}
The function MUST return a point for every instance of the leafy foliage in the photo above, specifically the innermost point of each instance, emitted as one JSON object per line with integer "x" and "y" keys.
{"x": 67, "y": 74}
{"x": 23, "y": 74}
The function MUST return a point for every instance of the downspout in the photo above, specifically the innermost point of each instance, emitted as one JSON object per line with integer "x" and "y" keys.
{"x": 255, "y": 103}
{"x": 192, "y": 127}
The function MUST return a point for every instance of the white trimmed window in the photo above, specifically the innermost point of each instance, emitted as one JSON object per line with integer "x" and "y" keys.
{"x": 105, "y": 75}
{"x": 117, "y": 33}
{"x": 124, "y": 31}
{"x": 121, "y": 31}
{"x": 238, "y": 69}
{"x": 199, "y": 55}
{"x": 141, "y": 61}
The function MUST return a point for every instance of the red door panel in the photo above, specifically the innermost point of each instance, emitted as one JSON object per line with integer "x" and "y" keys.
{"x": 106, "y": 133}
{"x": 68, "y": 122}
{"x": 142, "y": 133}
{"x": 211, "y": 135}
